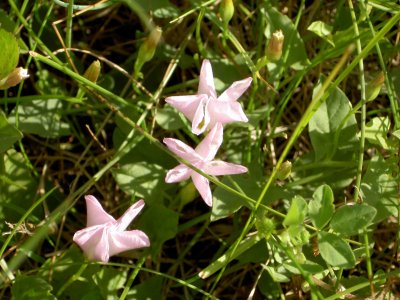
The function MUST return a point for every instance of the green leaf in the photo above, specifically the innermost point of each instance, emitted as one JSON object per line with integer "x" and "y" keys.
{"x": 109, "y": 281}
{"x": 339, "y": 174}
{"x": 160, "y": 224}
{"x": 268, "y": 287}
{"x": 169, "y": 119}
{"x": 376, "y": 131}
{"x": 225, "y": 203}
{"x": 41, "y": 117}
{"x": 324, "y": 127}
{"x": 379, "y": 188}
{"x": 396, "y": 134}
{"x": 66, "y": 267}
{"x": 296, "y": 213}
{"x": 279, "y": 274}
{"x": 9, "y": 53}
{"x": 6, "y": 22}
{"x": 150, "y": 289}
{"x": 323, "y": 30}
{"x": 47, "y": 83}
{"x": 18, "y": 189}
{"x": 321, "y": 208}
{"x": 141, "y": 179}
{"x": 351, "y": 219}
{"x": 31, "y": 288}
{"x": 335, "y": 251}
{"x": 8, "y": 134}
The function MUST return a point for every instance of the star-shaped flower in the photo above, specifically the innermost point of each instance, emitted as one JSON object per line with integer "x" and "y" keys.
{"x": 206, "y": 109}
{"x": 202, "y": 158}
{"x": 104, "y": 236}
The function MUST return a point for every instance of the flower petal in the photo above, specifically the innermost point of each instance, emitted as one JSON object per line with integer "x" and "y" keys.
{"x": 96, "y": 215}
{"x": 94, "y": 242}
{"x": 188, "y": 105}
{"x": 177, "y": 174}
{"x": 203, "y": 186}
{"x": 206, "y": 83}
{"x": 218, "y": 167}
{"x": 201, "y": 118}
{"x": 209, "y": 146}
{"x": 236, "y": 90}
{"x": 127, "y": 240}
{"x": 226, "y": 112}
{"x": 181, "y": 149}
{"x": 124, "y": 221}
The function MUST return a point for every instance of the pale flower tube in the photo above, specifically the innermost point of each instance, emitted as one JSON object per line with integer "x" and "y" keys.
{"x": 202, "y": 158}
{"x": 104, "y": 236}
{"x": 207, "y": 109}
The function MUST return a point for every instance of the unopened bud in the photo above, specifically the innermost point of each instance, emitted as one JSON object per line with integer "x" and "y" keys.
{"x": 374, "y": 87}
{"x": 92, "y": 73}
{"x": 226, "y": 10}
{"x": 14, "y": 78}
{"x": 284, "y": 170}
{"x": 147, "y": 49}
{"x": 275, "y": 46}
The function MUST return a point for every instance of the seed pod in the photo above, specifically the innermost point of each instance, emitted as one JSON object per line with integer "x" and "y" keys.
{"x": 284, "y": 170}
{"x": 92, "y": 73}
{"x": 226, "y": 10}
{"x": 147, "y": 49}
{"x": 374, "y": 87}
{"x": 275, "y": 46}
{"x": 14, "y": 78}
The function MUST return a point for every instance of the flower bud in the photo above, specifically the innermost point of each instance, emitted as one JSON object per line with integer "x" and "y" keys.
{"x": 92, "y": 73}
{"x": 226, "y": 10}
{"x": 275, "y": 46}
{"x": 284, "y": 170}
{"x": 147, "y": 49}
{"x": 374, "y": 87}
{"x": 14, "y": 78}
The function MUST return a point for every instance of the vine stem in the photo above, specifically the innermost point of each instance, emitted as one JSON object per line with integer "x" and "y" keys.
{"x": 321, "y": 95}
{"x": 362, "y": 142}
{"x": 132, "y": 277}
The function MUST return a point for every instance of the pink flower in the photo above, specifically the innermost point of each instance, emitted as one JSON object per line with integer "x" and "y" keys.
{"x": 206, "y": 109}
{"x": 104, "y": 236}
{"x": 202, "y": 158}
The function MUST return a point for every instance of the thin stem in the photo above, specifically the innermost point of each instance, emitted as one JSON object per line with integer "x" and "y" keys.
{"x": 363, "y": 107}
{"x": 72, "y": 279}
{"x": 132, "y": 278}
{"x": 68, "y": 36}
{"x": 31, "y": 33}
{"x": 391, "y": 92}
